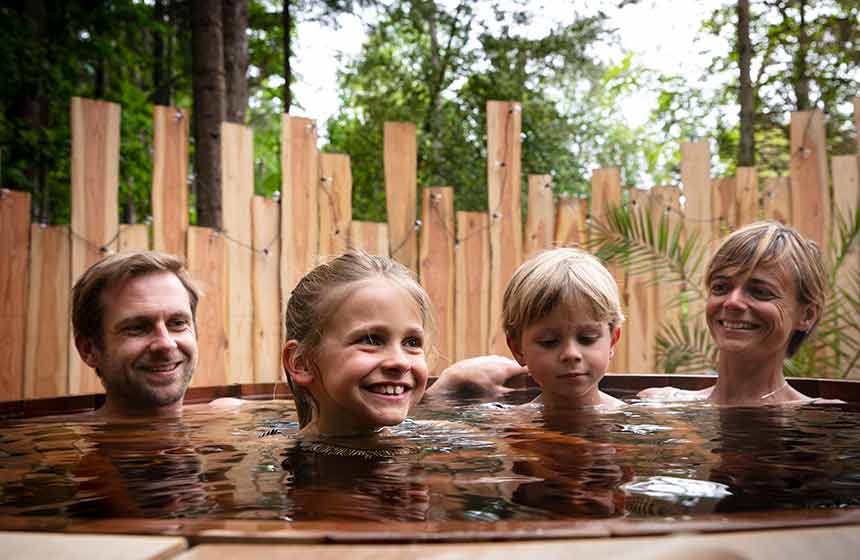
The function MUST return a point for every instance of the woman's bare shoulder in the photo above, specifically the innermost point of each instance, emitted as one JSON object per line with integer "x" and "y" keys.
{"x": 673, "y": 394}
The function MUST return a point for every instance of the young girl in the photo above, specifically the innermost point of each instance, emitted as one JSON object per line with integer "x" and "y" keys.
{"x": 562, "y": 316}
{"x": 355, "y": 352}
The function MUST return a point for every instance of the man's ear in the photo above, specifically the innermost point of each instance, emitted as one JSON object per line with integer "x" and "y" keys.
{"x": 88, "y": 351}
{"x": 296, "y": 365}
{"x": 616, "y": 336}
{"x": 516, "y": 350}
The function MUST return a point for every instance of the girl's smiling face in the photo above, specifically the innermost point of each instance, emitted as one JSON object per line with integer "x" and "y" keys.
{"x": 755, "y": 313}
{"x": 567, "y": 356}
{"x": 370, "y": 367}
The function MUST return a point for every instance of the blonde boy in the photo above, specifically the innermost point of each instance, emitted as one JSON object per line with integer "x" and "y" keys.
{"x": 562, "y": 319}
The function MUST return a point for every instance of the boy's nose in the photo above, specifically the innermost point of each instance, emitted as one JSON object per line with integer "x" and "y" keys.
{"x": 570, "y": 351}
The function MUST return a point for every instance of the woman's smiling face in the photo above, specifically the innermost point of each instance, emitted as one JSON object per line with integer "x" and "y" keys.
{"x": 755, "y": 313}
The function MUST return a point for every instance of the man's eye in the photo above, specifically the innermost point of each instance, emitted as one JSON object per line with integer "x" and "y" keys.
{"x": 134, "y": 330}
{"x": 178, "y": 324}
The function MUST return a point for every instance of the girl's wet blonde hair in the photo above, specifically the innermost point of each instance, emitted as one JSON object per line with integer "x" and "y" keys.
{"x": 770, "y": 243}
{"x": 567, "y": 277}
{"x": 319, "y": 293}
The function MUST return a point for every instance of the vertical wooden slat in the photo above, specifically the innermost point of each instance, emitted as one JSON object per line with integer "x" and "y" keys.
{"x": 133, "y": 237}
{"x": 810, "y": 190}
{"x": 472, "y": 290}
{"x": 504, "y": 125}
{"x": 48, "y": 311}
{"x": 698, "y": 215}
{"x": 846, "y": 191}
{"x": 777, "y": 199}
{"x": 299, "y": 185}
{"x": 724, "y": 193}
{"x": 207, "y": 264}
{"x": 747, "y": 196}
{"x": 856, "y": 101}
{"x": 570, "y": 222}
{"x": 94, "y": 207}
{"x": 335, "y": 203}
{"x": 371, "y": 237}
{"x": 640, "y": 329}
{"x": 437, "y": 266}
{"x": 267, "y": 290}
{"x": 169, "y": 179}
{"x": 401, "y": 168}
{"x": 540, "y": 226}
{"x": 666, "y": 201}
{"x": 605, "y": 194}
{"x": 14, "y": 246}
{"x": 237, "y": 192}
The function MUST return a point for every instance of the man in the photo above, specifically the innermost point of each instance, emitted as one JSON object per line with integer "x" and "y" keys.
{"x": 134, "y": 320}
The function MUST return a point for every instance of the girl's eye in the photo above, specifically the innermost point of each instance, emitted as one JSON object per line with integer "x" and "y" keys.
{"x": 413, "y": 342}
{"x": 370, "y": 340}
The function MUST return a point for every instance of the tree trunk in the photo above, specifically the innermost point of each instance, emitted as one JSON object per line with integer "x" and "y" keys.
{"x": 746, "y": 145}
{"x": 288, "y": 73}
{"x": 160, "y": 77}
{"x": 801, "y": 72}
{"x": 209, "y": 109}
{"x": 236, "y": 58}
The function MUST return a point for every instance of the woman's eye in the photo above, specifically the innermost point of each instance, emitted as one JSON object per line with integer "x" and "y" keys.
{"x": 761, "y": 293}
{"x": 719, "y": 288}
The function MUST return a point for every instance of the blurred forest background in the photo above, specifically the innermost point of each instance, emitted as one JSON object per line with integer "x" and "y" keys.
{"x": 434, "y": 63}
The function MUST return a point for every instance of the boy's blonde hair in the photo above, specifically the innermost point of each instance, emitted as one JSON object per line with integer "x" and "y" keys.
{"x": 319, "y": 293}
{"x": 568, "y": 277}
{"x": 772, "y": 243}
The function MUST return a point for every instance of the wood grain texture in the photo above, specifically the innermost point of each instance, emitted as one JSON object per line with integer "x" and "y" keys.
{"x": 846, "y": 191}
{"x": 810, "y": 189}
{"x": 400, "y": 161}
{"x": 268, "y": 331}
{"x": 48, "y": 313}
{"x": 207, "y": 264}
{"x": 747, "y": 196}
{"x": 504, "y": 164}
{"x": 237, "y": 191}
{"x": 776, "y": 200}
{"x": 540, "y": 221}
{"x": 299, "y": 189}
{"x": 437, "y": 268}
{"x": 472, "y": 286}
{"x": 14, "y": 268}
{"x": 666, "y": 201}
{"x": 724, "y": 206}
{"x": 169, "y": 179}
{"x": 642, "y": 323}
{"x": 23, "y": 546}
{"x": 605, "y": 194}
{"x": 371, "y": 237}
{"x": 698, "y": 211}
{"x": 133, "y": 237}
{"x": 570, "y": 222}
{"x": 94, "y": 208}
{"x": 335, "y": 203}
{"x": 856, "y": 102}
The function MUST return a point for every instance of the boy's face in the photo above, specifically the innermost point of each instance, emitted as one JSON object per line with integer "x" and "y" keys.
{"x": 567, "y": 355}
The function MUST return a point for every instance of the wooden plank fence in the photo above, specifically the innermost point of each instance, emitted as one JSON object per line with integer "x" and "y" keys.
{"x": 464, "y": 259}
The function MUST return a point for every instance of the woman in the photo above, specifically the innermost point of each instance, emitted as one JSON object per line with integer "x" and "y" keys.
{"x": 766, "y": 292}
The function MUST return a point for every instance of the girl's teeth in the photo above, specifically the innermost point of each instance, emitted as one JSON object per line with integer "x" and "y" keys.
{"x": 388, "y": 389}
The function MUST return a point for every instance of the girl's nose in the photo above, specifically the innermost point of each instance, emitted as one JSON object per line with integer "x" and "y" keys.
{"x": 396, "y": 359}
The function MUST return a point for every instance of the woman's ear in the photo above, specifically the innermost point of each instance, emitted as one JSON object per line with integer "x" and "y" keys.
{"x": 296, "y": 365}
{"x": 809, "y": 317}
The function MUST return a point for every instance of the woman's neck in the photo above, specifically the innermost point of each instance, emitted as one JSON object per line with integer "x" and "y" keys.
{"x": 750, "y": 382}
{"x": 318, "y": 429}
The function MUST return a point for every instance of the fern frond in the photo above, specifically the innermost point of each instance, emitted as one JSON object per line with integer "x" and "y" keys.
{"x": 682, "y": 348}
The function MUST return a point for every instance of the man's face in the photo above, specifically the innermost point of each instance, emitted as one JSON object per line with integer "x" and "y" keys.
{"x": 149, "y": 345}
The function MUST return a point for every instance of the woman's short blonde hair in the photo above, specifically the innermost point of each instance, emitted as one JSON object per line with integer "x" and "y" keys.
{"x": 566, "y": 277}
{"x": 772, "y": 243}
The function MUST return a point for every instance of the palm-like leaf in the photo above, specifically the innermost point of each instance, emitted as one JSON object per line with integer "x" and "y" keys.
{"x": 682, "y": 348}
